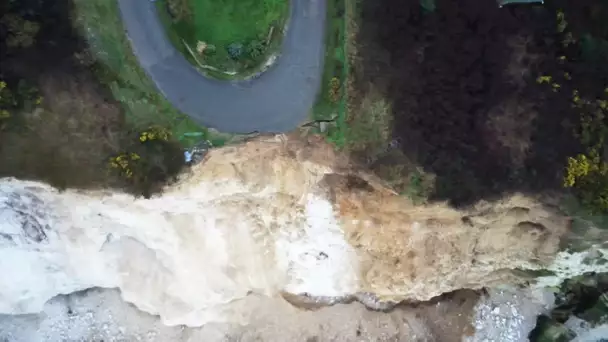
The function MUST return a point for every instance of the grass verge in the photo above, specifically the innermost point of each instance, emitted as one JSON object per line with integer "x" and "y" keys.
{"x": 331, "y": 101}
{"x": 100, "y": 23}
{"x": 225, "y": 39}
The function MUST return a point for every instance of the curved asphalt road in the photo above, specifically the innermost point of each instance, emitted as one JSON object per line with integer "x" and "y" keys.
{"x": 277, "y": 101}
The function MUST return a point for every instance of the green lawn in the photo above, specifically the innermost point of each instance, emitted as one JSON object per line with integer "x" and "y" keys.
{"x": 119, "y": 70}
{"x": 239, "y": 34}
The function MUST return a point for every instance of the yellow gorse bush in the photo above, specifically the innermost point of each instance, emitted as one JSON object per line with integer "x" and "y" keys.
{"x": 130, "y": 163}
{"x": 578, "y": 167}
{"x": 544, "y": 79}
{"x": 155, "y": 133}
{"x": 334, "y": 89}
{"x": 125, "y": 163}
{"x": 588, "y": 175}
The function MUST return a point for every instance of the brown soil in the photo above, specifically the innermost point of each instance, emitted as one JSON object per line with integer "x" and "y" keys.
{"x": 461, "y": 81}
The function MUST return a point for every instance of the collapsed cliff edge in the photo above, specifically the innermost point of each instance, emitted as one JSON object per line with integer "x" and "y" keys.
{"x": 279, "y": 217}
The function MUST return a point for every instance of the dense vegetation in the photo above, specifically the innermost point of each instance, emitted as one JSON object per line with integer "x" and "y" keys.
{"x": 59, "y": 124}
{"x": 584, "y": 298}
{"x": 479, "y": 99}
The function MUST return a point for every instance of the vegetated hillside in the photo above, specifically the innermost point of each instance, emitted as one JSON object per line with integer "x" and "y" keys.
{"x": 58, "y": 123}
{"x": 466, "y": 96}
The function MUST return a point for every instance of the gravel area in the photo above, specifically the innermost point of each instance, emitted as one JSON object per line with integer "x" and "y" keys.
{"x": 508, "y": 315}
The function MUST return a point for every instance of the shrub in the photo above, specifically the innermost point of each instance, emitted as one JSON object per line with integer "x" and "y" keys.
{"x": 210, "y": 50}
{"x": 155, "y": 133}
{"x": 587, "y": 173}
{"x": 150, "y": 163}
{"x": 334, "y": 89}
{"x": 544, "y": 79}
{"x": 255, "y": 49}
{"x": 24, "y": 98}
{"x": 235, "y": 50}
{"x": 126, "y": 163}
{"x": 588, "y": 176}
{"x": 21, "y": 33}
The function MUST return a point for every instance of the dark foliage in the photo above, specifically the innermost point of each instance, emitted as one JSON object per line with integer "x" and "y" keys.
{"x": 465, "y": 101}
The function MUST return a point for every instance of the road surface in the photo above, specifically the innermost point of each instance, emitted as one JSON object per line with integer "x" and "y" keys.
{"x": 277, "y": 101}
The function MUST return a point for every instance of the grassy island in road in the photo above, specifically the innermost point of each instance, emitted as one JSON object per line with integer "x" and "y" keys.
{"x": 231, "y": 37}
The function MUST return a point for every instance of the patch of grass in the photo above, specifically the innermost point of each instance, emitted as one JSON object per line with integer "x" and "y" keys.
{"x": 230, "y": 38}
{"x": 100, "y": 23}
{"x": 331, "y": 102}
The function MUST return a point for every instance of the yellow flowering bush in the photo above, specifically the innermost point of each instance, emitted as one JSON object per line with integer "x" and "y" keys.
{"x": 155, "y": 133}
{"x": 578, "y": 167}
{"x": 125, "y": 163}
{"x": 544, "y": 79}
{"x": 152, "y": 159}
{"x": 334, "y": 89}
{"x": 586, "y": 173}
{"x": 588, "y": 176}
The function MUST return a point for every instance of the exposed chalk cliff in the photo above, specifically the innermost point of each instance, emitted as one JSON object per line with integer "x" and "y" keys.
{"x": 276, "y": 216}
